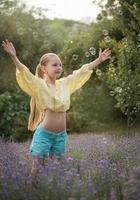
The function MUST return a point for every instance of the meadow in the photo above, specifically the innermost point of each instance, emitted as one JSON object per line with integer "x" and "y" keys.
{"x": 95, "y": 167}
{"x": 103, "y": 164}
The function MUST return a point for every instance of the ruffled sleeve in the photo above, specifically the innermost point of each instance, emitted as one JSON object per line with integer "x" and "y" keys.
{"x": 78, "y": 78}
{"x": 27, "y": 81}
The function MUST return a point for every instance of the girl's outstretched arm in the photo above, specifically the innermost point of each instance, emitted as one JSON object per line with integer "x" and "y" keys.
{"x": 27, "y": 81}
{"x": 101, "y": 58}
{"x": 80, "y": 76}
{"x": 10, "y": 49}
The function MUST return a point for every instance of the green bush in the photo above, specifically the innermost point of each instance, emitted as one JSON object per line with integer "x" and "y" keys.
{"x": 14, "y": 111}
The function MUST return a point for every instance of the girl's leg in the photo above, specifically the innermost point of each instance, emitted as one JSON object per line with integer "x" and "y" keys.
{"x": 34, "y": 173}
{"x": 38, "y": 162}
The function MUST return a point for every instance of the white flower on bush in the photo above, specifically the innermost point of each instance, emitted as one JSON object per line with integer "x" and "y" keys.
{"x": 98, "y": 72}
{"x": 112, "y": 93}
{"x": 118, "y": 89}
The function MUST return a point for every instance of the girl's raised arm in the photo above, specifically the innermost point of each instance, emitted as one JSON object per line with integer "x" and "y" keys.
{"x": 27, "y": 81}
{"x": 10, "y": 49}
{"x": 101, "y": 58}
{"x": 80, "y": 76}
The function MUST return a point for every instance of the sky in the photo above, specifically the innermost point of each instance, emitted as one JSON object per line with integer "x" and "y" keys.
{"x": 81, "y": 10}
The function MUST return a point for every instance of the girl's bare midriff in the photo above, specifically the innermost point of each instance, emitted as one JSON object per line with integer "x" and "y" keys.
{"x": 54, "y": 121}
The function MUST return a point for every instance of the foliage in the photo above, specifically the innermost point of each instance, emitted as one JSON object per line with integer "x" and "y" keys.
{"x": 123, "y": 76}
{"x": 14, "y": 111}
{"x": 124, "y": 80}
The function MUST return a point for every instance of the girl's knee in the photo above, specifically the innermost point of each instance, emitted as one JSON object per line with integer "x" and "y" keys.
{"x": 46, "y": 159}
{"x": 38, "y": 161}
{"x": 36, "y": 164}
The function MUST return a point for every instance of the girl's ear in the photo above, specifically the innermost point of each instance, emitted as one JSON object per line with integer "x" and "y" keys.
{"x": 43, "y": 68}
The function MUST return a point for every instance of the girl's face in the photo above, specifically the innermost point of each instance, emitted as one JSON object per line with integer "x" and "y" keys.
{"x": 54, "y": 68}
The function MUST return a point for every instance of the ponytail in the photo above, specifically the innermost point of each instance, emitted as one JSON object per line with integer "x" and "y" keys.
{"x": 36, "y": 116}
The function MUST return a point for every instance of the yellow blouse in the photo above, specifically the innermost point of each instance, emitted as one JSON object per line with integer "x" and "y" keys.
{"x": 56, "y": 98}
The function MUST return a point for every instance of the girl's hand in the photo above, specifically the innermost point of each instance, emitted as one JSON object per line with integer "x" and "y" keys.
{"x": 106, "y": 54}
{"x": 9, "y": 47}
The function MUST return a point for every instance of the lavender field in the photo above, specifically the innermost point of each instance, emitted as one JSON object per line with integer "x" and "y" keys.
{"x": 96, "y": 167}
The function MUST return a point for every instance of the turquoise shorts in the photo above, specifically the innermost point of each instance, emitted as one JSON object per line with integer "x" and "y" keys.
{"x": 48, "y": 143}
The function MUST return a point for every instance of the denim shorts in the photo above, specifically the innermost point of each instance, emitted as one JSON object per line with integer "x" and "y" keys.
{"x": 48, "y": 143}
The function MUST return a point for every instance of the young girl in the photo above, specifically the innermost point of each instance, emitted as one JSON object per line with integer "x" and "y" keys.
{"x": 50, "y": 99}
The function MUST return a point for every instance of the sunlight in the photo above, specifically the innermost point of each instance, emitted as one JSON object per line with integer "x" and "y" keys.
{"x": 84, "y": 11}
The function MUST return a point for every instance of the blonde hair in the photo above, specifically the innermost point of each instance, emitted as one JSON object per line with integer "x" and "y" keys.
{"x": 36, "y": 116}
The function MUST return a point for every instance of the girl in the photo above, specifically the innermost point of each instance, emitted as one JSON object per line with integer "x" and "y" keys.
{"x": 50, "y": 99}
